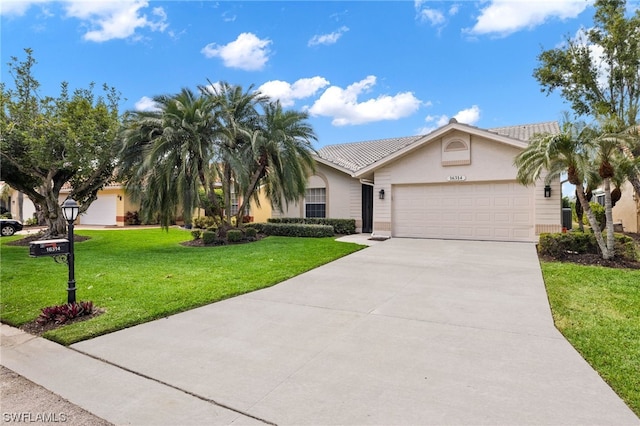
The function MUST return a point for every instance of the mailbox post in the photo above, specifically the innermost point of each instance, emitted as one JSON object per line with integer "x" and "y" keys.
{"x": 70, "y": 211}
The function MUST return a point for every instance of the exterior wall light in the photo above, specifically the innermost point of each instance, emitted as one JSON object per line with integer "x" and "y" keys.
{"x": 547, "y": 191}
{"x": 381, "y": 194}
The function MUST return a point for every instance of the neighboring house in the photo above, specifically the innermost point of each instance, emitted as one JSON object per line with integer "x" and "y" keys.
{"x": 108, "y": 209}
{"x": 457, "y": 182}
{"x": 19, "y": 205}
{"x": 627, "y": 210}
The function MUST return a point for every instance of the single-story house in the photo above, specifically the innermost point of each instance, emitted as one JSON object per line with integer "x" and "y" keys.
{"x": 109, "y": 208}
{"x": 457, "y": 182}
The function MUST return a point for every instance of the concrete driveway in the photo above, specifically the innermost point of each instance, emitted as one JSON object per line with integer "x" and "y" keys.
{"x": 403, "y": 332}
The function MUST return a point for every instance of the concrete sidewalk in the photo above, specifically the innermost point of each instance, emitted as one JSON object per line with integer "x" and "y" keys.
{"x": 404, "y": 332}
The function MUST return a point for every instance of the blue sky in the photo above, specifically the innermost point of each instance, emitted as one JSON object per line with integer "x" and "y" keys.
{"x": 363, "y": 70}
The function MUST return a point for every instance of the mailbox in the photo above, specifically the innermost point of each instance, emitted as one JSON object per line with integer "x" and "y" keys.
{"x": 48, "y": 247}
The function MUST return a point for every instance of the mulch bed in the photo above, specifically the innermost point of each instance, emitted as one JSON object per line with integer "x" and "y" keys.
{"x": 33, "y": 327}
{"x": 200, "y": 242}
{"x": 591, "y": 259}
{"x": 24, "y": 242}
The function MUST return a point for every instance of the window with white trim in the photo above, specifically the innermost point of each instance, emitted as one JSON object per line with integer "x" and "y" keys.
{"x": 315, "y": 202}
{"x": 234, "y": 204}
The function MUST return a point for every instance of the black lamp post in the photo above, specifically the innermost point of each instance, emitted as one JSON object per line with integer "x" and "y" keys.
{"x": 70, "y": 210}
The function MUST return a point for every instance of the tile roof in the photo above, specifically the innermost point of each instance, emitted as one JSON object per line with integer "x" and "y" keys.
{"x": 355, "y": 156}
{"x": 524, "y": 132}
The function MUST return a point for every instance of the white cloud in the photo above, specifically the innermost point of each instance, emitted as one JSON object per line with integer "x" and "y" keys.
{"x": 596, "y": 52}
{"x": 17, "y": 7}
{"x": 504, "y": 17}
{"x": 146, "y": 104}
{"x": 343, "y": 106}
{"x": 465, "y": 116}
{"x": 288, "y": 93}
{"x": 433, "y": 16}
{"x": 247, "y": 52}
{"x": 228, "y": 17}
{"x": 116, "y": 20}
{"x": 327, "y": 39}
{"x": 469, "y": 115}
{"x": 105, "y": 20}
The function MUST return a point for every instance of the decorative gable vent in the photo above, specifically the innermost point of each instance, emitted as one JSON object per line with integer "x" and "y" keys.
{"x": 456, "y": 150}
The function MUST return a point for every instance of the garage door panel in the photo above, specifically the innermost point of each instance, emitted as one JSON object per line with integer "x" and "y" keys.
{"x": 522, "y": 218}
{"x": 488, "y": 211}
{"x": 101, "y": 212}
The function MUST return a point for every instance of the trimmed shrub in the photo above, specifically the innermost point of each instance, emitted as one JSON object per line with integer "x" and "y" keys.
{"x": 196, "y": 234}
{"x": 234, "y": 235}
{"x": 132, "y": 218}
{"x": 250, "y": 232}
{"x": 298, "y": 230}
{"x": 340, "y": 226}
{"x": 209, "y": 237}
{"x": 558, "y": 245}
{"x": 6, "y": 215}
{"x": 258, "y": 226}
{"x": 204, "y": 222}
{"x": 627, "y": 248}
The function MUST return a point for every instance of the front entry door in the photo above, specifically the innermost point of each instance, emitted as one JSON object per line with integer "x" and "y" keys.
{"x": 367, "y": 209}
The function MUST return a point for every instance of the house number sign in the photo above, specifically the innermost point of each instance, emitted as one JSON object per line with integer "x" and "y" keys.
{"x": 456, "y": 178}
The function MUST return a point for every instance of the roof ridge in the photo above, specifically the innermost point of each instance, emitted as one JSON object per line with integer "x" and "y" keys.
{"x": 354, "y": 156}
{"x": 525, "y": 124}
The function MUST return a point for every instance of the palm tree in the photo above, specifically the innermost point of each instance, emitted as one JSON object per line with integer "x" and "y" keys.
{"x": 235, "y": 120}
{"x": 571, "y": 150}
{"x": 167, "y": 153}
{"x": 279, "y": 158}
{"x": 630, "y": 147}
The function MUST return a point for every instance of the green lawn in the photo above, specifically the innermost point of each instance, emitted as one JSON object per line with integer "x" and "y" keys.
{"x": 141, "y": 275}
{"x": 598, "y": 310}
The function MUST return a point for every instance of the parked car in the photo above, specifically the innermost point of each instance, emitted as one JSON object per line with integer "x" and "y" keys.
{"x": 9, "y": 227}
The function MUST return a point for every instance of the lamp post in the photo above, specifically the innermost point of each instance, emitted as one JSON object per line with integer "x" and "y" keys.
{"x": 70, "y": 210}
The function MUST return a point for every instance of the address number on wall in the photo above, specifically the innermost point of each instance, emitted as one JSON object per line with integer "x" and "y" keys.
{"x": 456, "y": 178}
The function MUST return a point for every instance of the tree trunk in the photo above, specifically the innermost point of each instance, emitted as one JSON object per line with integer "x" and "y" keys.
{"x": 20, "y": 206}
{"x": 226, "y": 188}
{"x": 594, "y": 223}
{"x": 53, "y": 218}
{"x": 51, "y": 211}
{"x": 255, "y": 178}
{"x": 608, "y": 212}
{"x": 635, "y": 182}
{"x": 579, "y": 213}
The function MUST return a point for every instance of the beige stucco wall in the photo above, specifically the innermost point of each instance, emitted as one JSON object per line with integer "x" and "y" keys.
{"x": 490, "y": 161}
{"x": 262, "y": 213}
{"x": 124, "y": 203}
{"x": 627, "y": 210}
{"x": 548, "y": 214}
{"x": 28, "y": 209}
{"x": 343, "y": 195}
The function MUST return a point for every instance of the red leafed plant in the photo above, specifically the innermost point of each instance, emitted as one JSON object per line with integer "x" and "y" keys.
{"x": 60, "y": 314}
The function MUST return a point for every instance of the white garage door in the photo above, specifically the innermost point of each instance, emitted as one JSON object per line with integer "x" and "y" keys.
{"x": 496, "y": 211}
{"x": 101, "y": 212}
